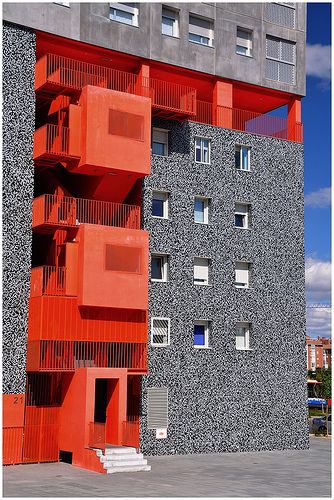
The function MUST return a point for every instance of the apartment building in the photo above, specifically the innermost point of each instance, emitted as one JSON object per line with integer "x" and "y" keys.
{"x": 319, "y": 353}
{"x": 153, "y": 219}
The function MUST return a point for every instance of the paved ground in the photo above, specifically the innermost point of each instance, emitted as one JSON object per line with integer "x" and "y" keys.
{"x": 264, "y": 474}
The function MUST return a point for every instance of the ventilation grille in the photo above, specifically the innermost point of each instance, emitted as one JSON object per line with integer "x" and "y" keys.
{"x": 126, "y": 124}
{"x": 280, "y": 14}
{"x": 280, "y": 63}
{"x": 123, "y": 259}
{"x": 157, "y": 408}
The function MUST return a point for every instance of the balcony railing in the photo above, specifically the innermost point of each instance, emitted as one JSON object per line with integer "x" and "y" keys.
{"x": 170, "y": 96}
{"x": 131, "y": 431}
{"x": 97, "y": 435}
{"x": 64, "y": 355}
{"x": 55, "y": 210}
{"x": 247, "y": 121}
{"x": 51, "y": 140}
{"x": 47, "y": 280}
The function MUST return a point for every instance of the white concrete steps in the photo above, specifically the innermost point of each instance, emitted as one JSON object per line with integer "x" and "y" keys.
{"x": 122, "y": 459}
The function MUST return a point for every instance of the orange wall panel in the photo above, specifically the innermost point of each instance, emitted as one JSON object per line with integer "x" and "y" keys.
{"x": 108, "y": 279}
{"x": 13, "y": 410}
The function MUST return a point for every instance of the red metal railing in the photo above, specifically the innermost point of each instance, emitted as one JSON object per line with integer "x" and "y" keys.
{"x": 12, "y": 443}
{"x": 52, "y": 140}
{"x": 41, "y": 434}
{"x": 47, "y": 280}
{"x": 67, "y": 211}
{"x": 64, "y": 355}
{"x": 97, "y": 435}
{"x": 131, "y": 431}
{"x": 204, "y": 112}
{"x": 170, "y": 96}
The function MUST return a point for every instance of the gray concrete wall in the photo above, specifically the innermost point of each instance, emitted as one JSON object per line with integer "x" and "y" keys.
{"x": 18, "y": 170}
{"x": 89, "y": 22}
{"x": 221, "y": 399}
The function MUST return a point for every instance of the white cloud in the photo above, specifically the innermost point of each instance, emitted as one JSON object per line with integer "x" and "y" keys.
{"x": 319, "y": 199}
{"x": 318, "y": 61}
{"x": 318, "y": 280}
{"x": 318, "y": 322}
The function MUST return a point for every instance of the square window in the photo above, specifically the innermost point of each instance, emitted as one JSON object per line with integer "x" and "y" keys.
{"x": 242, "y": 158}
{"x": 170, "y": 22}
{"x": 126, "y": 13}
{"x": 201, "y": 30}
{"x": 201, "y": 334}
{"x": 241, "y": 215}
{"x": 201, "y": 271}
{"x": 160, "y": 204}
{"x": 242, "y": 336}
{"x": 160, "y": 332}
{"x": 244, "y": 45}
{"x": 202, "y": 150}
{"x": 242, "y": 274}
{"x": 160, "y": 142}
{"x": 159, "y": 267}
{"x": 201, "y": 210}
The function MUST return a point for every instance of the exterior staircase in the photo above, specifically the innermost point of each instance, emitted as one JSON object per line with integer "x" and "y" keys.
{"x": 122, "y": 459}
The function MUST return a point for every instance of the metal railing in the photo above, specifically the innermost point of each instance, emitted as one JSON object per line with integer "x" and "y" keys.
{"x": 170, "y": 96}
{"x": 12, "y": 445}
{"x": 131, "y": 431}
{"x": 47, "y": 280}
{"x": 52, "y": 140}
{"x": 97, "y": 435}
{"x": 67, "y": 211}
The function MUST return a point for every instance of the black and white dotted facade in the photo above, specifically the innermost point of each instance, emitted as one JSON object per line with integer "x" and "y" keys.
{"x": 18, "y": 170}
{"x": 219, "y": 398}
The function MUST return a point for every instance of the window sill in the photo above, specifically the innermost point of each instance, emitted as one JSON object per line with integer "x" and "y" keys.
{"x": 158, "y": 217}
{"x": 170, "y": 36}
{"x": 243, "y": 169}
{"x": 202, "y": 347}
{"x": 203, "y": 162}
{"x": 201, "y": 223}
{"x": 161, "y": 156}
{"x": 240, "y": 349}
{"x": 160, "y": 345}
{"x": 202, "y": 284}
{"x": 202, "y": 44}
{"x": 243, "y": 287}
{"x": 245, "y": 55}
{"x": 158, "y": 281}
{"x": 124, "y": 24}
{"x": 243, "y": 228}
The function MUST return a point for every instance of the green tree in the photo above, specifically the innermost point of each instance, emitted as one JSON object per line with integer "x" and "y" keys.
{"x": 324, "y": 376}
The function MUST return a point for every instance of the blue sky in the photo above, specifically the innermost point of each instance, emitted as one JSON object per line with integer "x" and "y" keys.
{"x": 316, "y": 109}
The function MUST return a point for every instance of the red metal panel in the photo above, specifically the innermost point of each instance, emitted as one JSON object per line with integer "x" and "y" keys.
{"x": 41, "y": 434}
{"x": 131, "y": 432}
{"x": 47, "y": 280}
{"x": 97, "y": 435}
{"x": 12, "y": 445}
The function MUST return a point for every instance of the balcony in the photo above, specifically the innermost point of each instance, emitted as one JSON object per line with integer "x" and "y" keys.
{"x": 248, "y": 121}
{"x": 48, "y": 280}
{"x": 55, "y": 74}
{"x": 52, "y": 144}
{"x": 130, "y": 431}
{"x": 54, "y": 211}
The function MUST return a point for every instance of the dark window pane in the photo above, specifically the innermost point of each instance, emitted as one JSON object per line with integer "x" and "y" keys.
{"x": 198, "y": 154}
{"x": 199, "y": 335}
{"x": 239, "y": 220}
{"x": 156, "y": 268}
{"x": 158, "y": 208}
{"x": 237, "y": 159}
{"x": 158, "y": 148}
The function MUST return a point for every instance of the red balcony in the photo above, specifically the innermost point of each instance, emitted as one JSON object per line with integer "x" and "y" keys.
{"x": 170, "y": 100}
{"x": 48, "y": 280}
{"x": 54, "y": 211}
{"x": 52, "y": 144}
{"x": 129, "y": 433}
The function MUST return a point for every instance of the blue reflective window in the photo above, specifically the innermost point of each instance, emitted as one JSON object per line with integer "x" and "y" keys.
{"x": 199, "y": 335}
{"x": 157, "y": 207}
{"x": 199, "y": 210}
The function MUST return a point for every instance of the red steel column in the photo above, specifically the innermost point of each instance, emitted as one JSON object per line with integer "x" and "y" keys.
{"x": 222, "y": 104}
{"x": 295, "y": 120}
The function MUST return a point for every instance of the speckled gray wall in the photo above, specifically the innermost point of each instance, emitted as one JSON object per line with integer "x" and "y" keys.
{"x": 18, "y": 168}
{"x": 221, "y": 399}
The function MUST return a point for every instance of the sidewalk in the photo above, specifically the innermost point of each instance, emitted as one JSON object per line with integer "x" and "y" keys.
{"x": 264, "y": 474}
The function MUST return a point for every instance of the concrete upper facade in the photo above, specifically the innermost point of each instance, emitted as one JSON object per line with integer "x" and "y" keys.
{"x": 91, "y": 23}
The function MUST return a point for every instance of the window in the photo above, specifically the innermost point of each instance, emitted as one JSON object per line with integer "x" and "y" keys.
{"x": 201, "y": 334}
{"x": 159, "y": 267}
{"x": 281, "y": 60}
{"x": 201, "y": 210}
{"x": 242, "y": 158}
{"x": 157, "y": 408}
{"x": 126, "y": 13}
{"x": 160, "y": 204}
{"x": 160, "y": 331}
{"x": 160, "y": 142}
{"x": 280, "y": 14}
{"x": 201, "y": 271}
{"x": 241, "y": 215}
{"x": 202, "y": 150}
{"x": 242, "y": 274}
{"x": 242, "y": 336}
{"x": 244, "y": 42}
{"x": 200, "y": 30}
{"x": 170, "y": 22}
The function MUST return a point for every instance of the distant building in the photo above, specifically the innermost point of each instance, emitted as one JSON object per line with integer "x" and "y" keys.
{"x": 319, "y": 353}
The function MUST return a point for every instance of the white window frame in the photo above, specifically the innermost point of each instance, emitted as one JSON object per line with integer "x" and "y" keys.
{"x": 201, "y": 32}
{"x": 205, "y": 201}
{"x": 246, "y": 43}
{"x": 64, "y": 4}
{"x": 168, "y": 332}
{"x": 173, "y": 15}
{"x": 164, "y": 197}
{"x": 164, "y": 132}
{"x": 236, "y": 283}
{"x": 206, "y": 324}
{"x": 202, "y": 149}
{"x": 164, "y": 267}
{"x": 246, "y": 326}
{"x": 244, "y": 214}
{"x": 207, "y": 266}
{"x": 239, "y": 148}
{"x": 134, "y": 11}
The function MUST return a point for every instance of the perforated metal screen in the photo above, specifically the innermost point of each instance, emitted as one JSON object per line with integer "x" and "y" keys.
{"x": 157, "y": 411}
{"x": 126, "y": 124}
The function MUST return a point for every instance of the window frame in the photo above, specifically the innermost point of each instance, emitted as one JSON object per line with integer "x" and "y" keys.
{"x": 201, "y": 148}
{"x": 166, "y": 145}
{"x": 64, "y": 4}
{"x": 240, "y": 147}
{"x": 164, "y": 267}
{"x": 208, "y": 271}
{"x": 205, "y": 210}
{"x": 246, "y": 287}
{"x": 249, "y": 44}
{"x": 245, "y": 215}
{"x": 175, "y": 25}
{"x": 168, "y": 331}
{"x": 206, "y": 324}
{"x": 247, "y": 326}
{"x": 165, "y": 195}
{"x": 134, "y": 11}
{"x": 197, "y": 30}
